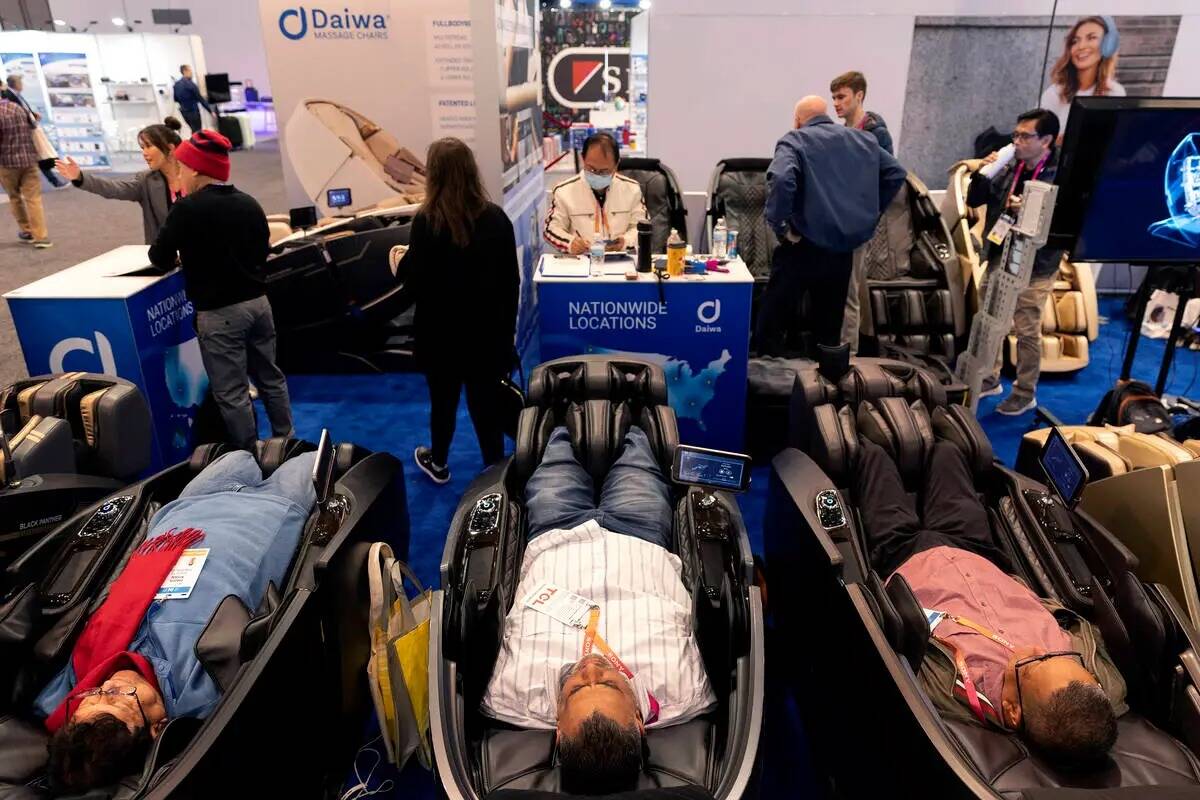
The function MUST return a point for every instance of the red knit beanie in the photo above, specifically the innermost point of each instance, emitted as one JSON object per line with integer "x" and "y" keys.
{"x": 207, "y": 152}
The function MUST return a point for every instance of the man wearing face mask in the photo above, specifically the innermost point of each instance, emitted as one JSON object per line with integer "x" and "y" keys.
{"x": 998, "y": 655}
{"x": 627, "y": 659}
{"x": 596, "y": 204}
{"x": 135, "y": 665}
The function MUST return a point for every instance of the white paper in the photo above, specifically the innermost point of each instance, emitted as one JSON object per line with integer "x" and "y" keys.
{"x": 566, "y": 607}
{"x": 183, "y": 576}
{"x": 934, "y": 618}
{"x": 567, "y": 267}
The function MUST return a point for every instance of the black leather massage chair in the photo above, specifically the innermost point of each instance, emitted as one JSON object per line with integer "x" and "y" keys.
{"x": 477, "y": 757}
{"x": 292, "y": 672}
{"x": 663, "y": 197}
{"x": 335, "y": 299}
{"x": 72, "y": 438}
{"x": 862, "y": 686}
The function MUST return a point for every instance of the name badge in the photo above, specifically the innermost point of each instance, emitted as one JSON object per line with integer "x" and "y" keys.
{"x": 1002, "y": 228}
{"x": 182, "y": 578}
{"x": 567, "y": 607}
{"x": 934, "y": 618}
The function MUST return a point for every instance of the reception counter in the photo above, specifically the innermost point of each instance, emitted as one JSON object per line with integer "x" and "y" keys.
{"x": 696, "y": 327}
{"x": 111, "y": 314}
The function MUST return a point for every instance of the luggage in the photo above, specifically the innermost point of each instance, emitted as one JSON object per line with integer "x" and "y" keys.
{"x": 231, "y": 129}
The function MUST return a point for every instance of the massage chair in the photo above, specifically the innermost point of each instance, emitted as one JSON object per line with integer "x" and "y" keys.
{"x": 713, "y": 756}
{"x": 72, "y": 438}
{"x": 1071, "y": 318}
{"x": 1143, "y": 487}
{"x": 292, "y": 672}
{"x": 663, "y": 198}
{"x": 872, "y": 725}
{"x": 332, "y": 146}
{"x": 335, "y": 298}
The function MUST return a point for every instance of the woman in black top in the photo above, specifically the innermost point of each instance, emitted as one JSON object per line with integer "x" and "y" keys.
{"x": 461, "y": 270}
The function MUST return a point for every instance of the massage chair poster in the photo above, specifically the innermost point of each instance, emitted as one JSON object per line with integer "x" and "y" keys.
{"x": 361, "y": 88}
{"x": 147, "y": 338}
{"x": 73, "y": 108}
{"x": 698, "y": 336}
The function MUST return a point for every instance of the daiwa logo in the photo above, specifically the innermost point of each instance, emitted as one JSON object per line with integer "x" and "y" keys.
{"x": 708, "y": 312}
{"x": 295, "y": 23}
{"x": 103, "y": 349}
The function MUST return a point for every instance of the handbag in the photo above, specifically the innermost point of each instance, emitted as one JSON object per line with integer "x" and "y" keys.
{"x": 41, "y": 143}
{"x": 398, "y": 669}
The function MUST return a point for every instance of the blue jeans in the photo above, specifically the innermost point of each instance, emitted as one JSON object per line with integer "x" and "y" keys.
{"x": 239, "y": 472}
{"x": 635, "y": 499}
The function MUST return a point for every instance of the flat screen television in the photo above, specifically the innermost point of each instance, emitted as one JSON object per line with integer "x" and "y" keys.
{"x": 217, "y": 84}
{"x": 1129, "y": 181}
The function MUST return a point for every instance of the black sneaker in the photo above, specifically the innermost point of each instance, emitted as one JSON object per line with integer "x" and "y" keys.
{"x": 991, "y": 386}
{"x": 24, "y": 236}
{"x": 1014, "y": 405}
{"x": 424, "y": 458}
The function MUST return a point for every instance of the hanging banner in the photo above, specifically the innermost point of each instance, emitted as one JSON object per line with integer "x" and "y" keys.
{"x": 72, "y": 100}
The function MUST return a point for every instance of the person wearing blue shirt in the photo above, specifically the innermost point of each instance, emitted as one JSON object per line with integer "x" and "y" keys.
{"x": 187, "y": 95}
{"x": 251, "y": 529}
{"x": 826, "y": 189}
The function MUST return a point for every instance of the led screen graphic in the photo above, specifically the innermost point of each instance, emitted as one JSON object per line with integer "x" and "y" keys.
{"x": 1182, "y": 186}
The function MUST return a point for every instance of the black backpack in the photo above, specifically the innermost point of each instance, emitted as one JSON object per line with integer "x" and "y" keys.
{"x": 1132, "y": 403}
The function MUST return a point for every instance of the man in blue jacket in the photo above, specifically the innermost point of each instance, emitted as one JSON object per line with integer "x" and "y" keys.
{"x": 120, "y": 688}
{"x": 187, "y": 95}
{"x": 827, "y": 187}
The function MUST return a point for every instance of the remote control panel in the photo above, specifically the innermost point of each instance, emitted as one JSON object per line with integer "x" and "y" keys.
{"x": 484, "y": 521}
{"x": 830, "y": 510}
{"x": 105, "y": 517}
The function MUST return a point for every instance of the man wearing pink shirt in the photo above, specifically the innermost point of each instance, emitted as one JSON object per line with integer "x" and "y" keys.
{"x": 999, "y": 655}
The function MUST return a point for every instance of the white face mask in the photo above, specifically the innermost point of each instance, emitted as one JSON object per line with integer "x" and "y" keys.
{"x": 598, "y": 182}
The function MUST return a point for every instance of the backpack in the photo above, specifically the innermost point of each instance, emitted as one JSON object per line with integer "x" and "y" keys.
{"x": 1132, "y": 403}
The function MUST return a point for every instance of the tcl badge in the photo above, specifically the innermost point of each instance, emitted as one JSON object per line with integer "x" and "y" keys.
{"x": 582, "y": 76}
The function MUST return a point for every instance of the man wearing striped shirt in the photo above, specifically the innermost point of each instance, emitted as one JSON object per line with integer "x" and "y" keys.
{"x": 624, "y": 656}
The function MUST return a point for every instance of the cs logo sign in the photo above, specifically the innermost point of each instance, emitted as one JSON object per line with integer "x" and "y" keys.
{"x": 579, "y": 76}
{"x": 103, "y": 349}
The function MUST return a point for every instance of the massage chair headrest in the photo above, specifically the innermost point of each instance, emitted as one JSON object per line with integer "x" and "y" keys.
{"x": 581, "y": 378}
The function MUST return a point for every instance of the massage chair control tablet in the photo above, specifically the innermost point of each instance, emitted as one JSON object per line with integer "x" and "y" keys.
{"x": 711, "y": 469}
{"x": 484, "y": 522}
{"x": 829, "y": 510}
{"x": 105, "y": 517}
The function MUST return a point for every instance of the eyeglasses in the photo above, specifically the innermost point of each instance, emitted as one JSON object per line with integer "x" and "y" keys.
{"x": 1022, "y": 136}
{"x": 1025, "y": 662}
{"x": 601, "y": 172}
{"x": 120, "y": 691}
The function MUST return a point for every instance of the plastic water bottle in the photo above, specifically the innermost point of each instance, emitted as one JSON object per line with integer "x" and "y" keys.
{"x": 596, "y": 255}
{"x": 720, "y": 242}
{"x": 676, "y": 253}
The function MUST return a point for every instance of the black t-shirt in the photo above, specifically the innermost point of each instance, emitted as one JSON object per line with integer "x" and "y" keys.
{"x": 221, "y": 237}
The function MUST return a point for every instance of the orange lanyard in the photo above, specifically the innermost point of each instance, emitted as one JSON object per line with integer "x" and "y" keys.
{"x": 600, "y": 218}
{"x": 591, "y": 636}
{"x": 960, "y": 665}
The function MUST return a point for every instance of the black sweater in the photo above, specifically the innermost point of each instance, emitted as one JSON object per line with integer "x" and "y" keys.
{"x": 221, "y": 237}
{"x": 466, "y": 298}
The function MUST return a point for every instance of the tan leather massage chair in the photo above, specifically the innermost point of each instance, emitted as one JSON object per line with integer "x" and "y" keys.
{"x": 1071, "y": 318}
{"x": 1143, "y": 487}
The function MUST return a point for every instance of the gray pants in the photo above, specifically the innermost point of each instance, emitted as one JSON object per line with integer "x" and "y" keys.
{"x": 237, "y": 342}
{"x": 850, "y": 321}
{"x": 1027, "y": 324}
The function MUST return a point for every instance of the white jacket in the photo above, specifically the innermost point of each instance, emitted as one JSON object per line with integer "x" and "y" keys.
{"x": 574, "y": 210}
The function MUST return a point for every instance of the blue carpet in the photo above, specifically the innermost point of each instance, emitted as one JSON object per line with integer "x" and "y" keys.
{"x": 390, "y": 413}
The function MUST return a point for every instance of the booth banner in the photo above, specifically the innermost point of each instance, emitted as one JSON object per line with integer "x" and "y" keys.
{"x": 78, "y": 132}
{"x": 148, "y": 339}
{"x": 702, "y": 326}
{"x": 357, "y": 83}
{"x": 25, "y": 65}
{"x": 586, "y": 56}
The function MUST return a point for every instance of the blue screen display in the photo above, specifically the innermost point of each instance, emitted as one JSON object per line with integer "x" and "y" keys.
{"x": 1145, "y": 205}
{"x": 1061, "y": 468}
{"x": 711, "y": 469}
{"x": 338, "y": 198}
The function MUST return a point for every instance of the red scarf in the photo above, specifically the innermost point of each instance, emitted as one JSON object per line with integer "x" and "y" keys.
{"x": 100, "y": 649}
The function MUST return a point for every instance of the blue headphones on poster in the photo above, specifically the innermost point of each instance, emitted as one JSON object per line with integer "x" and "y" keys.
{"x": 1112, "y": 38}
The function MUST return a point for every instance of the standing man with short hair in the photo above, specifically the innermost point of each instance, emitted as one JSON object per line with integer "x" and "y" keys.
{"x": 849, "y": 90}
{"x": 827, "y": 187}
{"x": 1034, "y": 157}
{"x": 14, "y": 85}
{"x": 19, "y": 174}
{"x": 187, "y": 95}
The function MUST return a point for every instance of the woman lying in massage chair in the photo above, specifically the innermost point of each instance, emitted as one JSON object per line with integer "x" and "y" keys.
{"x": 999, "y": 655}
{"x": 603, "y": 578}
{"x": 134, "y": 665}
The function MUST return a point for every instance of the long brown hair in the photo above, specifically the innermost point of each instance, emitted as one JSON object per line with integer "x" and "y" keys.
{"x": 454, "y": 193}
{"x": 1066, "y": 77}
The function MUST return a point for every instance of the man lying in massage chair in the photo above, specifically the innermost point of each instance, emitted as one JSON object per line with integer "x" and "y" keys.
{"x": 614, "y": 561}
{"x": 134, "y": 666}
{"x": 999, "y": 655}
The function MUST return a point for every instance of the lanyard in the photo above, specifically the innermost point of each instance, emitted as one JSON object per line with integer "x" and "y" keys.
{"x": 600, "y": 217}
{"x": 964, "y": 676}
{"x": 591, "y": 636}
{"x": 862, "y": 123}
{"x": 1017, "y": 177}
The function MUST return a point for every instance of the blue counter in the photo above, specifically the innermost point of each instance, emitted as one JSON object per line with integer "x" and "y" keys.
{"x": 97, "y": 317}
{"x": 697, "y": 329}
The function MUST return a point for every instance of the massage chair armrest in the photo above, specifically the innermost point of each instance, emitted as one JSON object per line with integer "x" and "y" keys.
{"x": 798, "y": 482}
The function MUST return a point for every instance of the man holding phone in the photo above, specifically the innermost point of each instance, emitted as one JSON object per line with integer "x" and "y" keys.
{"x": 596, "y": 204}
